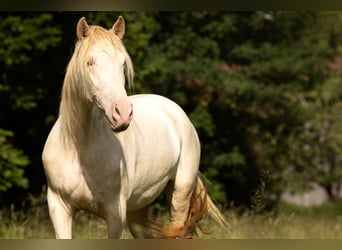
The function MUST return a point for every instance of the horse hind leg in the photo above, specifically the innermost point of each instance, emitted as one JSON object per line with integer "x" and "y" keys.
{"x": 139, "y": 224}
{"x": 188, "y": 205}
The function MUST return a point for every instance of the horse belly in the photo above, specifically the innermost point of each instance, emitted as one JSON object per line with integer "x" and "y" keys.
{"x": 151, "y": 176}
{"x": 154, "y": 168}
{"x": 145, "y": 196}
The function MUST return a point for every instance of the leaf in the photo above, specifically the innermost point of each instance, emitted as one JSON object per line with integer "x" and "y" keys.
{"x": 12, "y": 162}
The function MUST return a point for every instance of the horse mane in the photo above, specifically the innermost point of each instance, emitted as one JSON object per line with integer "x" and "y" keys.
{"x": 75, "y": 90}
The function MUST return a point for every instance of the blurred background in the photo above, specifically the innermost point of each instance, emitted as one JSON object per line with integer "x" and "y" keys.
{"x": 263, "y": 89}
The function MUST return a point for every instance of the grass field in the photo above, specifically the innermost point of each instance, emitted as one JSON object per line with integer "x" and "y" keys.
{"x": 290, "y": 223}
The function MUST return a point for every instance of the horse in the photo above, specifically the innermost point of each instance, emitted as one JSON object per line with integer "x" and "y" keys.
{"x": 112, "y": 154}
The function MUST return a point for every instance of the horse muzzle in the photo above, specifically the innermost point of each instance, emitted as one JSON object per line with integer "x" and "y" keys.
{"x": 122, "y": 114}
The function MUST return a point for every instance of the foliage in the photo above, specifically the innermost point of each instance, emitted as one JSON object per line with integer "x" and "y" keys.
{"x": 240, "y": 77}
{"x": 12, "y": 161}
{"x": 315, "y": 155}
{"x": 260, "y": 88}
{"x": 23, "y": 40}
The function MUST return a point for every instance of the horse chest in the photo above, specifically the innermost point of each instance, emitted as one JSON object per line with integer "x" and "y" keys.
{"x": 81, "y": 183}
{"x": 84, "y": 192}
{"x": 98, "y": 187}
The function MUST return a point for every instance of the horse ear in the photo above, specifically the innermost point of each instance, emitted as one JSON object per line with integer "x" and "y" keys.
{"x": 82, "y": 29}
{"x": 119, "y": 27}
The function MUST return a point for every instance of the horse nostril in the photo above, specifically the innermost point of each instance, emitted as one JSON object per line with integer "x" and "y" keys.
{"x": 117, "y": 109}
{"x": 131, "y": 114}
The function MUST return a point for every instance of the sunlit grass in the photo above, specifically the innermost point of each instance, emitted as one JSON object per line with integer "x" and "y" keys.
{"x": 286, "y": 226}
{"x": 290, "y": 223}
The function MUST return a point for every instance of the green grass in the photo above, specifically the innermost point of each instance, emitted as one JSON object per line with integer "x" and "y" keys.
{"x": 291, "y": 223}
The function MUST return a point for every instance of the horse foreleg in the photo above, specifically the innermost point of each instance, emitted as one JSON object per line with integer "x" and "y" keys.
{"x": 61, "y": 215}
{"x": 116, "y": 220}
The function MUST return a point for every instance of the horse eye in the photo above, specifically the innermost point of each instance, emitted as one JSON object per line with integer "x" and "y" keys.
{"x": 91, "y": 61}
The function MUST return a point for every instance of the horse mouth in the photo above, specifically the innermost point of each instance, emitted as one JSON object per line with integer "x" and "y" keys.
{"x": 117, "y": 127}
{"x": 120, "y": 128}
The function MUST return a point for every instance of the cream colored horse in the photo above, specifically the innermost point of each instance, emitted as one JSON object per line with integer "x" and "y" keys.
{"x": 102, "y": 157}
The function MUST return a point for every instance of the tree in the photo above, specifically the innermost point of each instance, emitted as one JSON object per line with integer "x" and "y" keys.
{"x": 24, "y": 37}
{"x": 315, "y": 155}
{"x": 251, "y": 82}
{"x": 236, "y": 74}
{"x": 12, "y": 161}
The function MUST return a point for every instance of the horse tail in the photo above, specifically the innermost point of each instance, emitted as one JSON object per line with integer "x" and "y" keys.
{"x": 201, "y": 206}
{"x": 212, "y": 210}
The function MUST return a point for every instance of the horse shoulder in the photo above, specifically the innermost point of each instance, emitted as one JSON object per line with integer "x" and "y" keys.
{"x": 60, "y": 163}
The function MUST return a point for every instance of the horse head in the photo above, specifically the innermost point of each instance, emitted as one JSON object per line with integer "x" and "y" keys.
{"x": 102, "y": 60}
